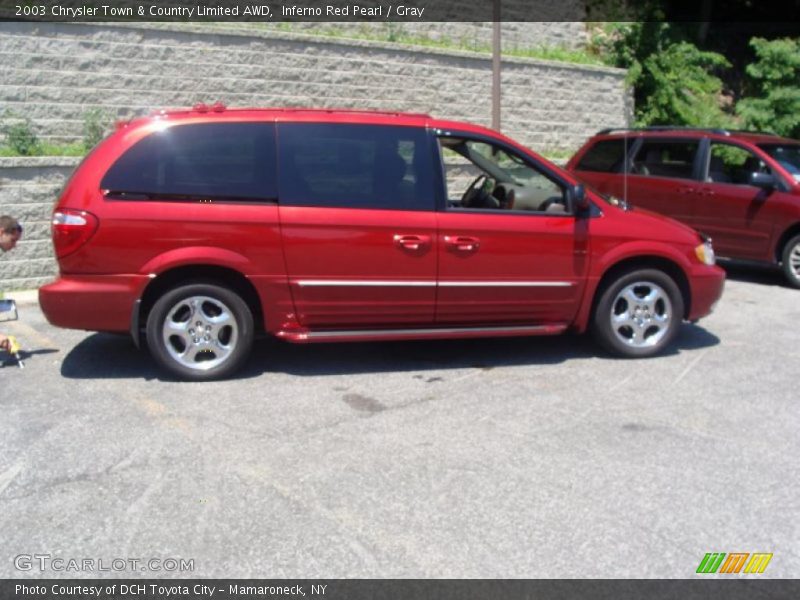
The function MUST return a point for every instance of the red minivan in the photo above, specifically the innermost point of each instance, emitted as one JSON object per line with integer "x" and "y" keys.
{"x": 740, "y": 188}
{"x": 194, "y": 230}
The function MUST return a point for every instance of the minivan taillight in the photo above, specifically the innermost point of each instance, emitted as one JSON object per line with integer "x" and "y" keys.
{"x": 71, "y": 230}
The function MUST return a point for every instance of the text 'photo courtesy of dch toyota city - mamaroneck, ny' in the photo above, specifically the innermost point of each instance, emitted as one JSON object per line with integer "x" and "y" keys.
{"x": 453, "y": 299}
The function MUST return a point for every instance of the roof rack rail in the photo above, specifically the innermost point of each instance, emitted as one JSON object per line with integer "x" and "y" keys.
{"x": 218, "y": 107}
{"x": 750, "y": 131}
{"x": 717, "y": 130}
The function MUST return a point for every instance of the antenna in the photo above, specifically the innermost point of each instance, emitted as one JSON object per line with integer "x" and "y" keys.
{"x": 625, "y": 165}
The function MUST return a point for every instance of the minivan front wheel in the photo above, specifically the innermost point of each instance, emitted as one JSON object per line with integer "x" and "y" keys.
{"x": 638, "y": 314}
{"x": 791, "y": 261}
{"x": 200, "y": 332}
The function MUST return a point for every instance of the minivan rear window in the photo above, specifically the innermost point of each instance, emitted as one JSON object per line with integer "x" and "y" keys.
{"x": 666, "y": 158}
{"x": 355, "y": 166}
{"x": 226, "y": 161}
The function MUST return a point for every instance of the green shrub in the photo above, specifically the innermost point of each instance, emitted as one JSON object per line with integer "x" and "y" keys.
{"x": 20, "y": 137}
{"x": 95, "y": 124}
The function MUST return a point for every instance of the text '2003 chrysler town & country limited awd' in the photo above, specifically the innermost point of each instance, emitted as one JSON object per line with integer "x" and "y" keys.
{"x": 194, "y": 230}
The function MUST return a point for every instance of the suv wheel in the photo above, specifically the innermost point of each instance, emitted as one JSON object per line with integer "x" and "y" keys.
{"x": 638, "y": 314}
{"x": 200, "y": 331}
{"x": 791, "y": 261}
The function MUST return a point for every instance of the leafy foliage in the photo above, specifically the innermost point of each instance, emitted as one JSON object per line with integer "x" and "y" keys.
{"x": 774, "y": 87}
{"x": 95, "y": 122}
{"x": 681, "y": 88}
{"x": 675, "y": 83}
{"x": 20, "y": 136}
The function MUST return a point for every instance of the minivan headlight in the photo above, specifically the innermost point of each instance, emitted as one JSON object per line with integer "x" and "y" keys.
{"x": 705, "y": 253}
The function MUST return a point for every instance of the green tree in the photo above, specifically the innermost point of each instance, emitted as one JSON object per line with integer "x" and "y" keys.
{"x": 679, "y": 87}
{"x": 772, "y": 97}
{"x": 674, "y": 82}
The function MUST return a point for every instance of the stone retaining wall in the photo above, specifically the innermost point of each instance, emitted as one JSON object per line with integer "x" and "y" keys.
{"x": 53, "y": 73}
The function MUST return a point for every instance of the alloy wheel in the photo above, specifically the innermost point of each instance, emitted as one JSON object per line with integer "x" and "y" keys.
{"x": 641, "y": 314}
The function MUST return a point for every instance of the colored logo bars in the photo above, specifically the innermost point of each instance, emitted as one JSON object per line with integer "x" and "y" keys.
{"x": 713, "y": 563}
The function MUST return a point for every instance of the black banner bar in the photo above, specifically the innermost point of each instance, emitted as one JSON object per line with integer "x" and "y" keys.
{"x": 399, "y": 589}
{"x": 391, "y": 11}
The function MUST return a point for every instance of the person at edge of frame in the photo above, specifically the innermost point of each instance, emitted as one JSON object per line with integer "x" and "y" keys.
{"x": 10, "y": 233}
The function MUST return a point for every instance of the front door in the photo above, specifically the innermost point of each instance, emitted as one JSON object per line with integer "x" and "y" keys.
{"x": 729, "y": 209}
{"x": 358, "y": 224}
{"x": 509, "y": 250}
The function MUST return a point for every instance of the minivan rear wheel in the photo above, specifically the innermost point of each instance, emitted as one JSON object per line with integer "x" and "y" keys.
{"x": 200, "y": 331}
{"x": 791, "y": 261}
{"x": 638, "y": 314}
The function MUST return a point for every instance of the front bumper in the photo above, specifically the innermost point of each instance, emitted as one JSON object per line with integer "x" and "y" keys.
{"x": 706, "y": 285}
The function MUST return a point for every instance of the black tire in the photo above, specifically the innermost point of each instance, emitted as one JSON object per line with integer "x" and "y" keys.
{"x": 790, "y": 261}
{"x": 179, "y": 343}
{"x": 656, "y": 323}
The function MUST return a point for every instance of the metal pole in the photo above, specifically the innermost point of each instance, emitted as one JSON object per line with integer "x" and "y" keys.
{"x": 496, "y": 66}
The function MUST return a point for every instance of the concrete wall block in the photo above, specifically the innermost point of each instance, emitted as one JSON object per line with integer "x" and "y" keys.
{"x": 29, "y": 194}
{"x": 16, "y": 175}
{"x": 32, "y": 249}
{"x": 27, "y": 212}
{"x": 29, "y": 283}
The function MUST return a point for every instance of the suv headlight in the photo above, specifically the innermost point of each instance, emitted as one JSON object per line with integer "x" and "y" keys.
{"x": 705, "y": 253}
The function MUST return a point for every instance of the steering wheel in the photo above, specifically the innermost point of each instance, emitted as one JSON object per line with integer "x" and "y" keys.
{"x": 475, "y": 197}
{"x": 551, "y": 202}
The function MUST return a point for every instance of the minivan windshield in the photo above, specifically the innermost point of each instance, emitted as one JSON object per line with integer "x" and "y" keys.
{"x": 788, "y": 155}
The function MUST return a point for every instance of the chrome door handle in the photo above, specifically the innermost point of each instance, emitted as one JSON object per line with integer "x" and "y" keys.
{"x": 412, "y": 242}
{"x": 462, "y": 243}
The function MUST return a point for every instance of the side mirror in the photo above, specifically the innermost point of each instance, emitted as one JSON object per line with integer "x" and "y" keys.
{"x": 763, "y": 180}
{"x": 576, "y": 197}
{"x": 8, "y": 310}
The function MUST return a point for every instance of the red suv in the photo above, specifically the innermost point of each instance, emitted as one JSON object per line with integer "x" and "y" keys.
{"x": 195, "y": 230}
{"x": 740, "y": 188}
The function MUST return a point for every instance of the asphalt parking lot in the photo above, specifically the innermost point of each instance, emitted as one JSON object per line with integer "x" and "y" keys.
{"x": 537, "y": 457}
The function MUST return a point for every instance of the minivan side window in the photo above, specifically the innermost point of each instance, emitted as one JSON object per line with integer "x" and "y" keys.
{"x": 224, "y": 161}
{"x": 355, "y": 166}
{"x": 728, "y": 163}
{"x": 484, "y": 176}
{"x": 606, "y": 156}
{"x": 669, "y": 158}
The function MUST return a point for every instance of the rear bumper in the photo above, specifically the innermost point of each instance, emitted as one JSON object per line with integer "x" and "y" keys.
{"x": 92, "y": 302}
{"x": 707, "y": 284}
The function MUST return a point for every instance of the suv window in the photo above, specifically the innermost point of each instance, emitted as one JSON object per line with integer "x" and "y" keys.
{"x": 728, "y": 163}
{"x": 668, "y": 158}
{"x": 605, "y": 156}
{"x": 233, "y": 161}
{"x": 355, "y": 166}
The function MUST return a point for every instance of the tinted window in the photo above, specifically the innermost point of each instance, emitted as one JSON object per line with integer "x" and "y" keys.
{"x": 358, "y": 166}
{"x": 210, "y": 160}
{"x": 604, "y": 157}
{"x": 666, "y": 158}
